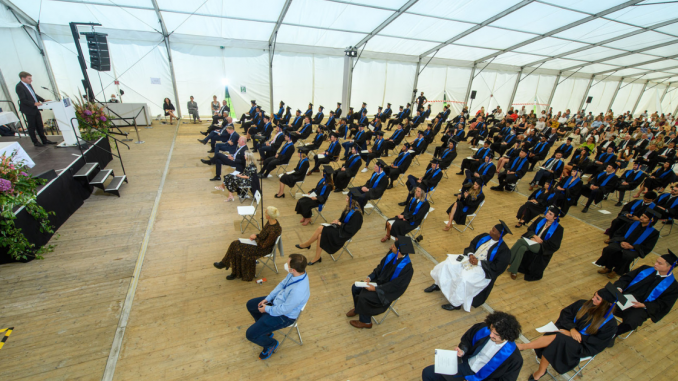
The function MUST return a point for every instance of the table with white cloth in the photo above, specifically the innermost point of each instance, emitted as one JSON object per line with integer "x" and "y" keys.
{"x": 139, "y": 111}
{"x": 8, "y": 117}
{"x": 21, "y": 157}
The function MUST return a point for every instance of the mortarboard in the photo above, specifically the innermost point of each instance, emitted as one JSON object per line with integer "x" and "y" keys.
{"x": 652, "y": 214}
{"x": 435, "y": 160}
{"x": 379, "y": 133}
{"x": 382, "y": 163}
{"x": 253, "y": 101}
{"x": 670, "y": 258}
{"x": 328, "y": 170}
{"x": 502, "y": 228}
{"x": 404, "y": 244}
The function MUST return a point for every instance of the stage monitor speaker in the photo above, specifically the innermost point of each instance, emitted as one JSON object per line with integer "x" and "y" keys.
{"x": 99, "y": 58}
{"x": 473, "y": 94}
{"x": 47, "y": 175}
{"x": 589, "y": 99}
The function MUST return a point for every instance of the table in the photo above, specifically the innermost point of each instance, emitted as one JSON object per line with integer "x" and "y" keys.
{"x": 8, "y": 117}
{"x": 129, "y": 110}
{"x": 21, "y": 157}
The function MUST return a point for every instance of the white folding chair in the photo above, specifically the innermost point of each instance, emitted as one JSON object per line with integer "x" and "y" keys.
{"x": 372, "y": 205}
{"x": 390, "y": 308}
{"x": 515, "y": 186}
{"x": 249, "y": 213}
{"x": 266, "y": 260}
{"x": 630, "y": 332}
{"x": 298, "y": 185}
{"x": 418, "y": 228}
{"x": 319, "y": 213}
{"x": 345, "y": 248}
{"x": 282, "y": 167}
{"x": 469, "y": 223}
{"x": 294, "y": 326}
{"x": 430, "y": 196}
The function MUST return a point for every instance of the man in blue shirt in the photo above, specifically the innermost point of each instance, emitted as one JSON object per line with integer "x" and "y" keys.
{"x": 280, "y": 308}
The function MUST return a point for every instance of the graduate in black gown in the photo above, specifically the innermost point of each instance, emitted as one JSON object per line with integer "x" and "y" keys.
{"x": 332, "y": 238}
{"x": 322, "y": 191}
{"x": 655, "y": 289}
{"x": 467, "y": 203}
{"x": 632, "y": 212}
{"x": 538, "y": 201}
{"x": 374, "y": 188}
{"x": 290, "y": 179}
{"x": 347, "y": 171}
{"x": 499, "y": 330}
{"x": 392, "y": 276}
{"x": 599, "y": 186}
{"x": 400, "y": 164}
{"x": 633, "y": 240}
{"x": 570, "y": 189}
{"x": 586, "y": 327}
{"x": 411, "y": 217}
{"x": 548, "y": 234}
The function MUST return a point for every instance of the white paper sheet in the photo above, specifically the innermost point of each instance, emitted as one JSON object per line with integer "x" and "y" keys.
{"x": 312, "y": 194}
{"x": 326, "y": 225}
{"x": 235, "y": 173}
{"x": 446, "y": 362}
{"x": 410, "y": 151}
{"x": 629, "y": 302}
{"x": 550, "y": 327}
{"x": 364, "y": 284}
{"x": 290, "y": 172}
{"x": 604, "y": 211}
{"x": 247, "y": 241}
{"x": 530, "y": 242}
{"x": 320, "y": 156}
{"x": 470, "y": 157}
{"x": 364, "y": 151}
{"x": 390, "y": 222}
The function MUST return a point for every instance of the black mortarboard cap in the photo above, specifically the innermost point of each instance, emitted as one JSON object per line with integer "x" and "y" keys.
{"x": 379, "y": 133}
{"x": 336, "y": 135}
{"x": 435, "y": 160}
{"x": 322, "y": 107}
{"x": 503, "y": 228}
{"x": 364, "y": 103}
{"x": 253, "y": 101}
{"x": 381, "y": 163}
{"x": 652, "y": 214}
{"x": 556, "y": 211}
{"x": 670, "y": 257}
{"x": 355, "y": 192}
{"x": 381, "y": 107}
{"x": 404, "y": 244}
{"x": 607, "y": 294}
{"x": 310, "y": 104}
{"x": 339, "y": 103}
{"x": 388, "y": 104}
{"x": 650, "y": 195}
{"x": 350, "y": 108}
{"x": 328, "y": 170}
{"x": 569, "y": 139}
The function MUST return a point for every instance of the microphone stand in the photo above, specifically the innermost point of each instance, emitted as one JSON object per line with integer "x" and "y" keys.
{"x": 51, "y": 91}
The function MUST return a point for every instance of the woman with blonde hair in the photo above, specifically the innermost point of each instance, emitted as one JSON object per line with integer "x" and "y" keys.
{"x": 466, "y": 203}
{"x": 241, "y": 182}
{"x": 242, "y": 257}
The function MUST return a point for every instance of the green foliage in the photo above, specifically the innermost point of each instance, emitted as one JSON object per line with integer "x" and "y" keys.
{"x": 92, "y": 120}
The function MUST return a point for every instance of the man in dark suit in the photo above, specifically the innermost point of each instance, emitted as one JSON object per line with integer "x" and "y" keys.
{"x": 231, "y": 144}
{"x": 236, "y": 160}
{"x": 221, "y": 135}
{"x": 28, "y": 104}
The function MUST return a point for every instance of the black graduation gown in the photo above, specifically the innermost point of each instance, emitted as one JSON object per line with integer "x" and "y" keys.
{"x": 412, "y": 219}
{"x": 393, "y": 173}
{"x": 660, "y": 179}
{"x": 298, "y": 175}
{"x": 334, "y": 237}
{"x": 342, "y": 178}
{"x": 507, "y": 371}
{"x": 529, "y": 210}
{"x": 565, "y": 352}
{"x": 305, "y": 205}
{"x": 655, "y": 309}
{"x": 492, "y": 268}
{"x": 465, "y": 206}
{"x": 533, "y": 264}
{"x": 376, "y": 302}
{"x": 618, "y": 259}
{"x": 571, "y": 194}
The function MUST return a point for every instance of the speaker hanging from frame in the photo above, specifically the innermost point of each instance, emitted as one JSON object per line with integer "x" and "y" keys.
{"x": 99, "y": 58}
{"x": 473, "y": 94}
{"x": 589, "y": 99}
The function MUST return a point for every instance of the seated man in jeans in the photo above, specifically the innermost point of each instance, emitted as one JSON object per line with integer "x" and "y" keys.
{"x": 280, "y": 308}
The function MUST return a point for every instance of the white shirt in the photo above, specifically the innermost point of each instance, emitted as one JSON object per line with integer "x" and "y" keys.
{"x": 490, "y": 349}
{"x": 30, "y": 91}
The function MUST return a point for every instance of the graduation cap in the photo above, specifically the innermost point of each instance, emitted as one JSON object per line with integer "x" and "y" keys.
{"x": 299, "y": 111}
{"x": 613, "y": 165}
{"x": 379, "y": 133}
{"x": 253, "y": 102}
{"x": 322, "y": 107}
{"x": 382, "y": 163}
{"x": 502, "y": 228}
{"x": 404, "y": 244}
{"x": 671, "y": 259}
{"x": 282, "y": 103}
{"x": 336, "y": 135}
{"x": 435, "y": 160}
{"x": 310, "y": 104}
{"x": 388, "y": 104}
{"x": 610, "y": 294}
{"x": 361, "y": 125}
{"x": 364, "y": 104}
{"x": 650, "y": 195}
{"x": 407, "y": 145}
{"x": 569, "y": 139}
{"x": 555, "y": 210}
{"x": 289, "y": 108}
{"x": 381, "y": 108}
{"x": 350, "y": 108}
{"x": 420, "y": 132}
{"x": 339, "y": 103}
{"x": 654, "y": 216}
{"x": 328, "y": 170}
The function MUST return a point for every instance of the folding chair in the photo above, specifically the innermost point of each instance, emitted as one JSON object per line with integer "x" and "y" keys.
{"x": 670, "y": 222}
{"x": 271, "y": 257}
{"x": 418, "y": 228}
{"x": 345, "y": 248}
{"x": 390, "y": 308}
{"x": 249, "y": 212}
{"x": 430, "y": 196}
{"x": 630, "y": 332}
{"x": 335, "y": 162}
{"x": 469, "y": 224}
{"x": 298, "y": 185}
{"x": 289, "y": 331}
{"x": 400, "y": 179}
{"x": 283, "y": 167}
{"x": 579, "y": 368}
{"x": 515, "y": 186}
{"x": 319, "y": 211}
{"x": 445, "y": 173}
{"x": 371, "y": 204}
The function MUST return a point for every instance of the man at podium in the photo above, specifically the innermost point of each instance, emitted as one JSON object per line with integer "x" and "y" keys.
{"x": 28, "y": 104}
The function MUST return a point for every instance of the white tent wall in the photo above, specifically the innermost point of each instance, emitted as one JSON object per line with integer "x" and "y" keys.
{"x": 378, "y": 82}
{"x": 627, "y": 96}
{"x": 650, "y": 99}
{"x": 328, "y": 74}
{"x": 398, "y": 86}
{"x": 602, "y": 93}
{"x": 493, "y": 88}
{"x": 432, "y": 83}
{"x": 670, "y": 101}
{"x": 533, "y": 87}
{"x": 455, "y": 87}
{"x": 569, "y": 94}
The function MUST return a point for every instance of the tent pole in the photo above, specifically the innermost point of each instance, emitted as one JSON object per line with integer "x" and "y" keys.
{"x": 5, "y": 89}
{"x": 553, "y": 91}
{"x": 347, "y": 83}
{"x": 515, "y": 89}
{"x": 666, "y": 90}
{"x": 639, "y": 96}
{"x": 615, "y": 94}
{"x": 165, "y": 36}
{"x": 270, "y": 79}
{"x": 586, "y": 93}
{"x": 416, "y": 82}
{"x": 468, "y": 88}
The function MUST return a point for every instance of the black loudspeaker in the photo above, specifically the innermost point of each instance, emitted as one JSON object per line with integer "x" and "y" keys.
{"x": 47, "y": 175}
{"x": 473, "y": 94}
{"x": 99, "y": 58}
{"x": 588, "y": 100}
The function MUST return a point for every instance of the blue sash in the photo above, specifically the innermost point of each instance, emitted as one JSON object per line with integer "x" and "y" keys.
{"x": 665, "y": 173}
{"x": 609, "y": 177}
{"x": 643, "y": 237}
{"x": 304, "y": 129}
{"x": 496, "y": 361}
{"x": 569, "y": 183}
{"x": 348, "y": 215}
{"x": 301, "y": 163}
{"x": 487, "y": 167}
{"x": 630, "y": 171}
{"x": 295, "y": 120}
{"x": 288, "y": 145}
{"x": 329, "y": 120}
{"x": 480, "y": 154}
{"x": 549, "y": 232}
{"x": 637, "y": 204}
{"x": 329, "y": 149}
{"x": 447, "y": 151}
{"x": 362, "y": 119}
{"x": 379, "y": 144}
{"x": 401, "y": 265}
{"x": 496, "y": 247}
{"x": 322, "y": 192}
{"x": 538, "y": 147}
{"x": 536, "y": 195}
{"x": 522, "y": 162}
{"x": 358, "y": 135}
{"x": 402, "y": 158}
{"x": 296, "y": 281}
{"x": 607, "y": 318}
{"x": 416, "y": 209}
{"x": 357, "y": 157}
{"x": 661, "y": 287}
{"x": 381, "y": 176}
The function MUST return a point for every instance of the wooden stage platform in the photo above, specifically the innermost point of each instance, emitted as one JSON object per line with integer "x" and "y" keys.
{"x": 188, "y": 322}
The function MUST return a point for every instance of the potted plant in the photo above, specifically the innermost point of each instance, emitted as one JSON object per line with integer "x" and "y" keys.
{"x": 92, "y": 120}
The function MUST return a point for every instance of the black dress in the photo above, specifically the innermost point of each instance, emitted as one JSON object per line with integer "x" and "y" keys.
{"x": 387, "y": 291}
{"x": 298, "y": 175}
{"x": 465, "y": 206}
{"x": 529, "y": 210}
{"x": 534, "y": 264}
{"x": 565, "y": 352}
{"x": 351, "y": 167}
{"x": 334, "y": 237}
{"x": 305, "y": 205}
{"x": 570, "y": 193}
{"x": 413, "y": 214}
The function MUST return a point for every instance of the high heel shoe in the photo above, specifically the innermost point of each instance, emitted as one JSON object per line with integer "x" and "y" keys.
{"x": 313, "y": 263}
{"x": 276, "y": 196}
{"x": 230, "y": 199}
{"x": 299, "y": 247}
{"x": 219, "y": 188}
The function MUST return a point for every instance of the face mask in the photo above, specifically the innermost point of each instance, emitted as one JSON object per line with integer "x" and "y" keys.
{"x": 286, "y": 267}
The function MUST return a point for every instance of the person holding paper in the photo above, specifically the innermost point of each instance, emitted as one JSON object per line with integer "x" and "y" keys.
{"x": 282, "y": 157}
{"x": 374, "y": 188}
{"x": 477, "y": 159}
{"x": 599, "y": 186}
{"x": 586, "y": 327}
{"x": 331, "y": 154}
{"x": 280, "y": 308}
{"x": 655, "y": 290}
{"x": 487, "y": 351}
{"x": 538, "y": 201}
{"x": 395, "y": 139}
{"x": 269, "y": 148}
{"x": 358, "y": 140}
{"x": 392, "y": 276}
{"x": 629, "y": 181}
{"x": 551, "y": 169}
{"x": 531, "y": 257}
{"x": 633, "y": 240}
{"x": 316, "y": 198}
{"x": 296, "y": 175}
{"x": 466, "y": 280}
{"x": 413, "y": 215}
{"x": 315, "y": 144}
{"x": 242, "y": 257}
{"x": 570, "y": 189}
{"x": 466, "y": 203}
{"x": 375, "y": 152}
{"x": 333, "y": 237}
{"x": 485, "y": 172}
{"x": 347, "y": 171}
{"x": 241, "y": 182}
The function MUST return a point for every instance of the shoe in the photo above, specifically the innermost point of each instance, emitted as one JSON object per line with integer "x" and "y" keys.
{"x": 313, "y": 263}
{"x": 514, "y": 276}
{"x": 203, "y": 133}
{"x": 460, "y": 173}
{"x": 402, "y": 203}
{"x": 338, "y": 190}
{"x": 607, "y": 240}
{"x": 450, "y": 307}
{"x": 38, "y": 144}
{"x": 497, "y": 188}
{"x": 47, "y": 142}
{"x": 604, "y": 270}
{"x": 269, "y": 352}
{"x": 586, "y": 209}
{"x": 618, "y": 203}
{"x": 309, "y": 173}
{"x": 210, "y": 151}
{"x": 611, "y": 275}
{"x": 612, "y": 340}
{"x": 344, "y": 158}
{"x": 351, "y": 313}
{"x": 202, "y": 141}
{"x": 359, "y": 324}
{"x": 531, "y": 187}
{"x": 230, "y": 277}
{"x": 215, "y": 178}
{"x": 276, "y": 196}
{"x": 364, "y": 170}
{"x": 299, "y": 247}
{"x": 208, "y": 162}
{"x": 219, "y": 265}
{"x": 432, "y": 288}
{"x": 390, "y": 186}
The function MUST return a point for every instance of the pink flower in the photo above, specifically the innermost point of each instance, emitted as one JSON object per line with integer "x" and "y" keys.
{"x": 103, "y": 118}
{"x": 87, "y": 112}
{"x": 24, "y": 174}
{"x": 5, "y": 185}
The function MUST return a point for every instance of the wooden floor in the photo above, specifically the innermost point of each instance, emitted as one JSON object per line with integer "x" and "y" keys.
{"x": 189, "y": 322}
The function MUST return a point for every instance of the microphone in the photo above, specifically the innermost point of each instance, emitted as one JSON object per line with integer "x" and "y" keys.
{"x": 45, "y": 88}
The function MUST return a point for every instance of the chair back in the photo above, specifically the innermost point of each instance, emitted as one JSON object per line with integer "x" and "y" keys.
{"x": 257, "y": 198}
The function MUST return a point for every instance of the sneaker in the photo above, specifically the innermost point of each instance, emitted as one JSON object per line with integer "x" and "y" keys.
{"x": 266, "y": 353}
{"x": 364, "y": 170}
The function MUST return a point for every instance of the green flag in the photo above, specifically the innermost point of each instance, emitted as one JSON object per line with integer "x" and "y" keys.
{"x": 444, "y": 98}
{"x": 227, "y": 97}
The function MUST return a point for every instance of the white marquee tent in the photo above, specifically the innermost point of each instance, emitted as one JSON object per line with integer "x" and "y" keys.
{"x": 534, "y": 53}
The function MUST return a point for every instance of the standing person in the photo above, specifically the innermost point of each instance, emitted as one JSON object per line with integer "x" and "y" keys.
{"x": 169, "y": 109}
{"x": 280, "y": 308}
{"x": 193, "y": 109}
{"x": 28, "y": 104}
{"x": 421, "y": 101}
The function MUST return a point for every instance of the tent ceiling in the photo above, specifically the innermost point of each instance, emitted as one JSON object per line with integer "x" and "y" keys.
{"x": 599, "y": 37}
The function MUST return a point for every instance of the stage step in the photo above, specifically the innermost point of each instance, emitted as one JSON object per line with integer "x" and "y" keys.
{"x": 100, "y": 178}
{"x": 115, "y": 184}
{"x": 86, "y": 170}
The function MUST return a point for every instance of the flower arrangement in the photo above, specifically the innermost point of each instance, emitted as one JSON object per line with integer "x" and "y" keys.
{"x": 91, "y": 118}
{"x": 17, "y": 189}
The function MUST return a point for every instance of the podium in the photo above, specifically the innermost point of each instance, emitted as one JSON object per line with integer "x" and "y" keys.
{"x": 63, "y": 113}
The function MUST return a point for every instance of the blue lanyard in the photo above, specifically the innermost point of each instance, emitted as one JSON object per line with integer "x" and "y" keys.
{"x": 495, "y": 362}
{"x": 661, "y": 287}
{"x": 402, "y": 158}
{"x": 296, "y": 281}
{"x": 643, "y": 237}
{"x": 348, "y": 215}
{"x": 551, "y": 230}
{"x": 394, "y": 257}
{"x": 496, "y": 246}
